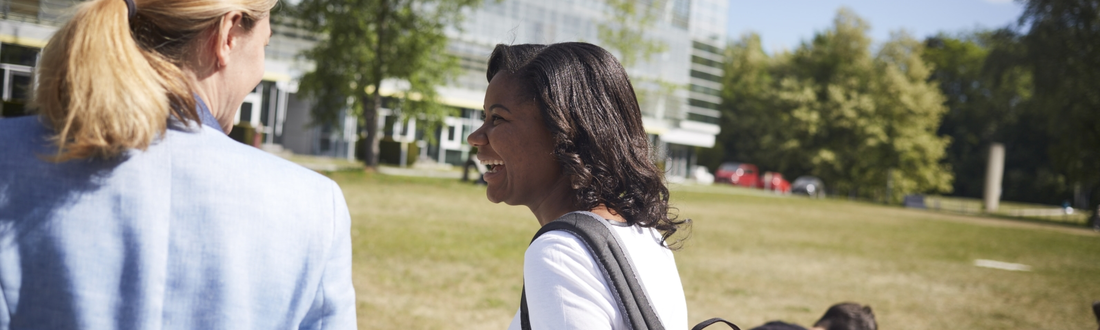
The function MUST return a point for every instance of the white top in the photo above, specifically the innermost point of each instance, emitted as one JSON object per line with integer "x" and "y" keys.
{"x": 567, "y": 290}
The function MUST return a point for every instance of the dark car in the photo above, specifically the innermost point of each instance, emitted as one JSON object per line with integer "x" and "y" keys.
{"x": 738, "y": 174}
{"x": 809, "y": 186}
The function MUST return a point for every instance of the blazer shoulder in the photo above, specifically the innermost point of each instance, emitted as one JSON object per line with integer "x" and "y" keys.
{"x": 27, "y": 131}
{"x": 231, "y": 156}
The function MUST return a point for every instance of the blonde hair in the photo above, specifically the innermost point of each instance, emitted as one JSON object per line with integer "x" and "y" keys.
{"x": 107, "y": 82}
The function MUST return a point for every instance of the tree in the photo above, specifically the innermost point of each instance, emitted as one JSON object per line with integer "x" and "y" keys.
{"x": 989, "y": 96}
{"x": 972, "y": 122}
{"x": 748, "y": 122}
{"x": 1062, "y": 47}
{"x": 864, "y": 123}
{"x": 366, "y": 42}
{"x": 913, "y": 109}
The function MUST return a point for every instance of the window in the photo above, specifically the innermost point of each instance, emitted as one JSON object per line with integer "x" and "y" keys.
{"x": 706, "y": 90}
{"x": 16, "y": 63}
{"x": 246, "y": 112}
{"x": 16, "y": 54}
{"x": 702, "y": 104}
{"x": 387, "y": 128}
{"x": 702, "y": 118}
{"x": 21, "y": 8}
{"x": 267, "y": 109}
{"x": 681, "y": 13}
{"x": 705, "y": 76}
{"x": 706, "y": 48}
{"x": 16, "y": 92}
{"x": 705, "y": 61}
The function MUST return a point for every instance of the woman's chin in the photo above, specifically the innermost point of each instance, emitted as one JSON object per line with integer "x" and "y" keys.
{"x": 492, "y": 199}
{"x": 494, "y": 187}
{"x": 493, "y": 195}
{"x": 498, "y": 197}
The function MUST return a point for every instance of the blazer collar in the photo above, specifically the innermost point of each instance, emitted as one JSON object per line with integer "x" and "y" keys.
{"x": 205, "y": 117}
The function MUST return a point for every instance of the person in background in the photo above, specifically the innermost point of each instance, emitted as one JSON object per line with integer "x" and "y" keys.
{"x": 1095, "y": 219}
{"x": 842, "y": 316}
{"x": 124, "y": 205}
{"x": 563, "y": 135}
{"x": 1096, "y": 311}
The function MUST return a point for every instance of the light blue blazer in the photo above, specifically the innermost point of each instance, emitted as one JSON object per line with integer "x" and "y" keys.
{"x": 197, "y": 232}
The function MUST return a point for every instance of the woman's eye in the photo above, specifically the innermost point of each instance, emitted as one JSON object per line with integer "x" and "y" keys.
{"x": 491, "y": 118}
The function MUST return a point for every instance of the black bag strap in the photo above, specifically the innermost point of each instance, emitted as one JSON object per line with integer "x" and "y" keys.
{"x": 707, "y": 323}
{"x": 604, "y": 245}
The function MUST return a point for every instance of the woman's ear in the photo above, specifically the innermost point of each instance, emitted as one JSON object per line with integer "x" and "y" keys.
{"x": 227, "y": 37}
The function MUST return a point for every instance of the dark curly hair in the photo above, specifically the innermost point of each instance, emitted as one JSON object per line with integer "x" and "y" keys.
{"x": 848, "y": 316}
{"x": 592, "y": 114}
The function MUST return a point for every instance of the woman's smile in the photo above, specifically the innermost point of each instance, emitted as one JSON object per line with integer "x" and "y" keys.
{"x": 492, "y": 164}
{"x": 495, "y": 169}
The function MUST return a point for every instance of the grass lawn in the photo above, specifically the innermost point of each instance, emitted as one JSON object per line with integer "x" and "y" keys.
{"x": 435, "y": 254}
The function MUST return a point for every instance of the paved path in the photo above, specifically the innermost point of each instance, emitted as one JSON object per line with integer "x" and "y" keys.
{"x": 421, "y": 172}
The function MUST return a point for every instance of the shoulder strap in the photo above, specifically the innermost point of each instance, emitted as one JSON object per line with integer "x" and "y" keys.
{"x": 707, "y": 323}
{"x": 605, "y": 247}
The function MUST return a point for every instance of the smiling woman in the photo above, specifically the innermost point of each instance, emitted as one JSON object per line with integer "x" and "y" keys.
{"x": 563, "y": 134}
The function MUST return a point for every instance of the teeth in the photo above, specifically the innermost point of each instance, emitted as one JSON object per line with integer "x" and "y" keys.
{"x": 491, "y": 162}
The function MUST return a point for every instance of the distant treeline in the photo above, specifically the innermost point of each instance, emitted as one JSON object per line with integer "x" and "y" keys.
{"x": 918, "y": 116}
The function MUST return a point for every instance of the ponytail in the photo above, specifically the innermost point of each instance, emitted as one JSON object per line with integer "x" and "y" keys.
{"x": 101, "y": 92}
{"x": 109, "y": 80}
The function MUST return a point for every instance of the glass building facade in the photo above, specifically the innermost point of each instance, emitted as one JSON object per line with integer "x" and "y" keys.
{"x": 272, "y": 108}
{"x": 678, "y": 88}
{"x": 679, "y": 118}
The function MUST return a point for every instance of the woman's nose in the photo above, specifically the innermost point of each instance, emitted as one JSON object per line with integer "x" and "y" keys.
{"x": 477, "y": 138}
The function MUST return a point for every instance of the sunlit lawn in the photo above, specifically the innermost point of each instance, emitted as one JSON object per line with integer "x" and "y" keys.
{"x": 434, "y": 254}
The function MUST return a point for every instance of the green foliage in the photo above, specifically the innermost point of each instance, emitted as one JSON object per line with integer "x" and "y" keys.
{"x": 365, "y": 42}
{"x": 863, "y": 123}
{"x": 989, "y": 95}
{"x": 746, "y": 106}
{"x": 1062, "y": 47}
{"x": 972, "y": 121}
{"x": 1036, "y": 92}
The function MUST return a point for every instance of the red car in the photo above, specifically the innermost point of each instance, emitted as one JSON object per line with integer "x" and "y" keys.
{"x": 738, "y": 174}
{"x": 775, "y": 182}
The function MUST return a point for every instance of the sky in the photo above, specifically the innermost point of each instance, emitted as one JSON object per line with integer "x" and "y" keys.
{"x": 785, "y": 24}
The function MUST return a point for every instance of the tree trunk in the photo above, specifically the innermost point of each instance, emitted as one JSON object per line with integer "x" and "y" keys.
{"x": 373, "y": 103}
{"x": 1093, "y": 202}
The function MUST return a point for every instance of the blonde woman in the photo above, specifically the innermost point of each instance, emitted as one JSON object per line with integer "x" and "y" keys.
{"x": 123, "y": 204}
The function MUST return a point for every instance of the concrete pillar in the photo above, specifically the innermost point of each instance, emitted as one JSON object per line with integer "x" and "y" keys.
{"x": 994, "y": 172}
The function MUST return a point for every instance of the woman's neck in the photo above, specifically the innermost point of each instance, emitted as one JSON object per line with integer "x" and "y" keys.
{"x": 212, "y": 91}
{"x": 557, "y": 202}
{"x": 607, "y": 213}
{"x": 560, "y": 201}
